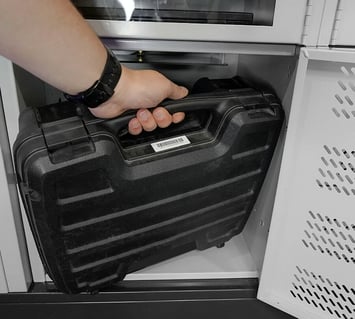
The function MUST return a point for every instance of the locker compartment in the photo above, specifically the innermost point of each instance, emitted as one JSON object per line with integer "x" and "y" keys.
{"x": 266, "y": 21}
{"x": 267, "y": 65}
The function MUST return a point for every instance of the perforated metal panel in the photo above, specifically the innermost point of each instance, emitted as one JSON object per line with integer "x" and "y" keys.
{"x": 333, "y": 298}
{"x": 311, "y": 246}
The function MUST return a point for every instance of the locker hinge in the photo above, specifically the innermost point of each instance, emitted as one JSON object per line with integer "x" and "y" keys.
{"x": 307, "y": 21}
{"x": 337, "y": 19}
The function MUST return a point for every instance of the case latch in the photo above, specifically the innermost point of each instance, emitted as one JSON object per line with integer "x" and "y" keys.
{"x": 67, "y": 139}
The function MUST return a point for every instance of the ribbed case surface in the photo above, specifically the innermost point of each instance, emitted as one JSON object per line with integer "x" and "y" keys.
{"x": 102, "y": 204}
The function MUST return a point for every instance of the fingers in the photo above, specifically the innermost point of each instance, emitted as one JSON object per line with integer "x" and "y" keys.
{"x": 149, "y": 121}
{"x": 177, "y": 92}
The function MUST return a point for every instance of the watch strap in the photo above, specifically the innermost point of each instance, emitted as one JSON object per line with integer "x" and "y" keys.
{"x": 103, "y": 88}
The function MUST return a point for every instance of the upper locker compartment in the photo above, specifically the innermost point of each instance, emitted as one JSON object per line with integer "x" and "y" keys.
{"x": 343, "y": 25}
{"x": 238, "y": 21}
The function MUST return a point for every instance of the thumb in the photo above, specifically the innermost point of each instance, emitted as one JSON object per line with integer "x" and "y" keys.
{"x": 177, "y": 92}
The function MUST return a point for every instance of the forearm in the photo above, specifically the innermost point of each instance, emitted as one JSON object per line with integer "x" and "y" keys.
{"x": 51, "y": 40}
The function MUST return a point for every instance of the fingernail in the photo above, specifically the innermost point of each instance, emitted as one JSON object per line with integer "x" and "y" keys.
{"x": 135, "y": 124}
{"x": 159, "y": 114}
{"x": 143, "y": 115}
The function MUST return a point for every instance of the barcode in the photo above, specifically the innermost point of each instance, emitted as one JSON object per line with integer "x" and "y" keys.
{"x": 170, "y": 143}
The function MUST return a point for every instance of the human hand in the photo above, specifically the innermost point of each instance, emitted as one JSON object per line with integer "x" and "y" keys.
{"x": 142, "y": 89}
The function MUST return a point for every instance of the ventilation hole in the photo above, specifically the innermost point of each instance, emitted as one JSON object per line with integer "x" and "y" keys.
{"x": 349, "y": 179}
{"x": 297, "y": 278}
{"x": 337, "y": 313}
{"x": 325, "y": 299}
{"x": 336, "y": 188}
{"x": 328, "y": 220}
{"x": 321, "y": 172}
{"x": 334, "y": 232}
{"x": 340, "y": 246}
{"x": 301, "y": 288}
{"x": 346, "y": 114}
{"x": 328, "y": 186}
{"x": 348, "y": 249}
{"x": 353, "y": 153}
{"x": 335, "y": 294}
{"x": 317, "y": 296}
{"x": 336, "y": 254}
{"x": 351, "y": 167}
{"x": 299, "y": 269}
{"x": 339, "y": 99}
{"x": 312, "y": 215}
{"x": 342, "y": 85}
{"x": 329, "y": 252}
{"x": 336, "y": 151}
{"x": 345, "y": 190}
{"x": 345, "y": 70}
{"x": 322, "y": 306}
{"x": 348, "y": 309}
{"x": 351, "y": 301}
{"x": 321, "y": 278}
{"x": 305, "y": 298}
{"x": 331, "y": 242}
{"x": 304, "y": 242}
{"x": 318, "y": 227}
{"x": 311, "y": 244}
{"x": 335, "y": 111}
{"x": 342, "y": 235}
{"x": 310, "y": 224}
{"x": 333, "y": 163}
{"x": 332, "y": 302}
{"x": 323, "y": 239}
{"x": 314, "y": 304}
{"x": 307, "y": 233}
{"x": 327, "y": 149}
{"x": 352, "y": 86}
{"x": 329, "y": 310}
{"x": 330, "y": 174}
{"x": 319, "y": 183}
{"x": 292, "y": 293}
{"x": 306, "y": 272}
{"x": 352, "y": 239}
{"x": 320, "y": 217}
{"x": 320, "y": 249}
{"x": 345, "y": 153}
{"x": 305, "y": 282}
{"x": 299, "y": 296}
{"x": 315, "y": 237}
{"x": 349, "y": 100}
{"x": 342, "y": 165}
{"x": 345, "y": 258}
{"x": 340, "y": 177}
{"x": 326, "y": 230}
{"x": 353, "y": 191}
{"x": 336, "y": 222}
{"x": 353, "y": 113}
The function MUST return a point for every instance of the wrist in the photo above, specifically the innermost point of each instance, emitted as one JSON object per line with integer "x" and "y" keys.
{"x": 103, "y": 88}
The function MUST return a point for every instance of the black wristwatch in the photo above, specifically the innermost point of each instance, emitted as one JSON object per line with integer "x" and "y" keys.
{"x": 103, "y": 88}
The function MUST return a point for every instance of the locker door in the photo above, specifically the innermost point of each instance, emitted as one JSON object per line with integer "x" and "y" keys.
{"x": 14, "y": 266}
{"x": 3, "y": 282}
{"x": 310, "y": 257}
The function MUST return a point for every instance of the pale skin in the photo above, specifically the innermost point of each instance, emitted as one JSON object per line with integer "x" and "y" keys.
{"x": 51, "y": 40}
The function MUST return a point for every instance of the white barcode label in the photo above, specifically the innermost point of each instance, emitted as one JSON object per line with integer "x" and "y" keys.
{"x": 170, "y": 143}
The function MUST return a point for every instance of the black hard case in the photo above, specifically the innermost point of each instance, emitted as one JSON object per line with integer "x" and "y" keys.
{"x": 102, "y": 203}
